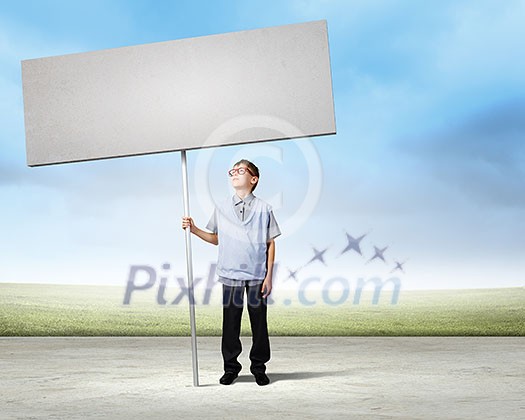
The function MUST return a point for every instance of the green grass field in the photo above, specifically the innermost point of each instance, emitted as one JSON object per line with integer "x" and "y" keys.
{"x": 70, "y": 310}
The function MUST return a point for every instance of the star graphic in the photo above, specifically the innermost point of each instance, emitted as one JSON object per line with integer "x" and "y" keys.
{"x": 353, "y": 244}
{"x": 292, "y": 274}
{"x": 399, "y": 266}
{"x": 378, "y": 254}
{"x": 318, "y": 256}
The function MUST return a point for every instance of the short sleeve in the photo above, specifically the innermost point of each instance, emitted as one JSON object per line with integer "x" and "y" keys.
{"x": 273, "y": 227}
{"x": 212, "y": 224}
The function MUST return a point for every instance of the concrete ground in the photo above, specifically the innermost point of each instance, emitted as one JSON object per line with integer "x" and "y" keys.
{"x": 312, "y": 377}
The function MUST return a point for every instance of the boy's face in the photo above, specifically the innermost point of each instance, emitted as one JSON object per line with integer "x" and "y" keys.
{"x": 242, "y": 181}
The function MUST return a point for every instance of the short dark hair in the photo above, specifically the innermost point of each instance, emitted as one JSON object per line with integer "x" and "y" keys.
{"x": 253, "y": 169}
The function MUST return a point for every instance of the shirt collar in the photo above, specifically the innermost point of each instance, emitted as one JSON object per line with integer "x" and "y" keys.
{"x": 237, "y": 200}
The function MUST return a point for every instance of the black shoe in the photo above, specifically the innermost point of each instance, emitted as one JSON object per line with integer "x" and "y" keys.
{"x": 228, "y": 378}
{"x": 261, "y": 378}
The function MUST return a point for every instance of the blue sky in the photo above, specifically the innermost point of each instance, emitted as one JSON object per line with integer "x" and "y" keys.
{"x": 429, "y": 157}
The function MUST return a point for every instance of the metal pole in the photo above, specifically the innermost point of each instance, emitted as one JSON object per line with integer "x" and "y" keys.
{"x": 189, "y": 270}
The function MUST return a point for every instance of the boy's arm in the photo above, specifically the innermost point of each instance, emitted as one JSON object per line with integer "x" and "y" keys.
{"x": 212, "y": 238}
{"x": 266, "y": 288}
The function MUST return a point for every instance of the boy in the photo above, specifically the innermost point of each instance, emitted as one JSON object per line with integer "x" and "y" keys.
{"x": 244, "y": 227}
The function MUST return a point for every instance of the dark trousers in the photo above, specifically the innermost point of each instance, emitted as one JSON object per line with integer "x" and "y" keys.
{"x": 232, "y": 307}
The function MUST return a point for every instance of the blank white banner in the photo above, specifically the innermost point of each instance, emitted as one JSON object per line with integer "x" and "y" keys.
{"x": 177, "y": 95}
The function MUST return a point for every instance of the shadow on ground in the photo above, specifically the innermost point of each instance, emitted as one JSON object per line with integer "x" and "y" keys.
{"x": 292, "y": 376}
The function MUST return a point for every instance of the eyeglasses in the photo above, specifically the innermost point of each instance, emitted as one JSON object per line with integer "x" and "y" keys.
{"x": 240, "y": 171}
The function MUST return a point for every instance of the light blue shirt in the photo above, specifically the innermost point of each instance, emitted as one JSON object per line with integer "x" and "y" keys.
{"x": 244, "y": 228}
